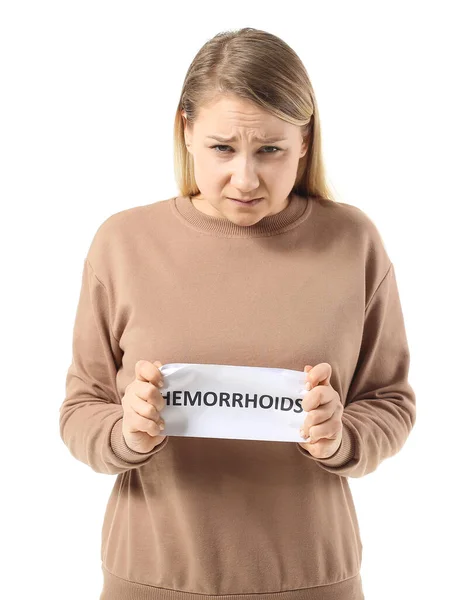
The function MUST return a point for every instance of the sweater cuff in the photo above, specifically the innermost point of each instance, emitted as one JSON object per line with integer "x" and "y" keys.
{"x": 120, "y": 448}
{"x": 343, "y": 455}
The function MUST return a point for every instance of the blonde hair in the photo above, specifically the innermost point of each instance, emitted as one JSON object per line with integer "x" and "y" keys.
{"x": 260, "y": 67}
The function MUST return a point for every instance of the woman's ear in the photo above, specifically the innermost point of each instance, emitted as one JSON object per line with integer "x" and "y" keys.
{"x": 187, "y": 136}
{"x": 305, "y": 145}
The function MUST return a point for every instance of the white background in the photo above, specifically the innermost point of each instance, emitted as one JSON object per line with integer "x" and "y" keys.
{"x": 88, "y": 98}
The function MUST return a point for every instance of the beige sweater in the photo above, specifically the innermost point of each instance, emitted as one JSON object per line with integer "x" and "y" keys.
{"x": 203, "y": 517}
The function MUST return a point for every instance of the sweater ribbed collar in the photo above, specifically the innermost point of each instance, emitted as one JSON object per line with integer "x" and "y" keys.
{"x": 297, "y": 210}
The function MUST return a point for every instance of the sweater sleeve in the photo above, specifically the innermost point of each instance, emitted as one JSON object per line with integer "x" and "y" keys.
{"x": 91, "y": 414}
{"x": 381, "y": 405}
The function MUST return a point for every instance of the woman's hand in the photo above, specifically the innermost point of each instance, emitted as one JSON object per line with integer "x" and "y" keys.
{"x": 323, "y": 426}
{"x": 142, "y": 404}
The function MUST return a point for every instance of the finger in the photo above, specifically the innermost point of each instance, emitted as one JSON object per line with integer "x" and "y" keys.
{"x": 139, "y": 423}
{"x": 318, "y": 416}
{"x": 145, "y": 409}
{"x": 317, "y": 397}
{"x": 327, "y": 430}
{"x": 148, "y": 371}
{"x": 319, "y": 375}
{"x": 158, "y": 401}
{"x": 146, "y": 391}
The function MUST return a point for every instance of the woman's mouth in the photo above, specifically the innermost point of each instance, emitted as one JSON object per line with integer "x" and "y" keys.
{"x": 250, "y": 203}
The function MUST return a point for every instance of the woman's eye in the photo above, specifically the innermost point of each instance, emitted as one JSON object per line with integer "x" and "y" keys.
{"x": 223, "y": 146}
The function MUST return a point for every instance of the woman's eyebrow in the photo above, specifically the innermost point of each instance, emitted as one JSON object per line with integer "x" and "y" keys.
{"x": 220, "y": 138}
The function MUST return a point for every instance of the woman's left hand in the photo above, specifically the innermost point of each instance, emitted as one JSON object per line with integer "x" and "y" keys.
{"x": 323, "y": 423}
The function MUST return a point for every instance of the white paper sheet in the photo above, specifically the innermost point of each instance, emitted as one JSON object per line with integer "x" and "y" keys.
{"x": 234, "y": 402}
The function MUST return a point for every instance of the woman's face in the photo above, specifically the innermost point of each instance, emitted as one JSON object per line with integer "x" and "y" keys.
{"x": 244, "y": 168}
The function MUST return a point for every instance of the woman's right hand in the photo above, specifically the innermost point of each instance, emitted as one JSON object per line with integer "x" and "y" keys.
{"x": 142, "y": 404}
